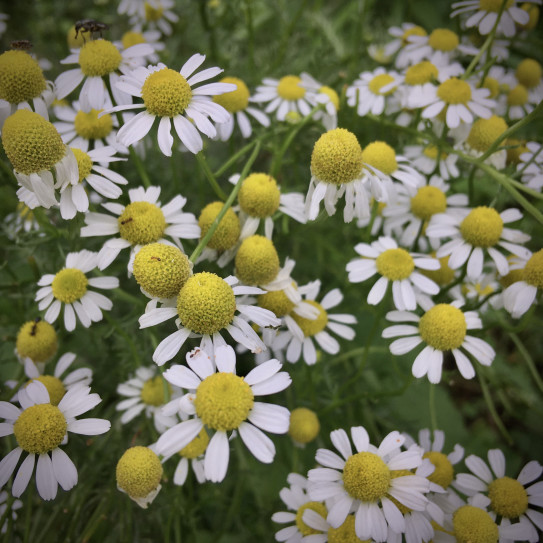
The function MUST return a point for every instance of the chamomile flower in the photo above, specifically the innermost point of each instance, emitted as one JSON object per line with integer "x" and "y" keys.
{"x": 529, "y": 73}
{"x": 482, "y": 291}
{"x": 22, "y": 220}
{"x": 135, "y": 36}
{"x": 396, "y": 265}
{"x": 37, "y": 341}
{"x": 145, "y": 392}
{"x": 205, "y": 305}
{"x": 39, "y": 428}
{"x": 518, "y": 102}
{"x": 322, "y": 94}
{"x": 192, "y": 453}
{"x": 283, "y": 96}
{"x": 70, "y": 288}
{"x": 508, "y": 498}
{"x": 428, "y": 159}
{"x": 173, "y": 97}
{"x": 304, "y": 426}
{"x": 530, "y": 166}
{"x": 401, "y": 35}
{"x": 224, "y": 402}
{"x": 236, "y": 103}
{"x": 23, "y": 85}
{"x": 98, "y": 59}
{"x": 144, "y": 220}
{"x": 371, "y": 481}
{"x": 35, "y": 148}
{"x": 476, "y": 232}
{"x": 153, "y": 14}
{"x": 443, "y": 328}
{"x": 302, "y": 331}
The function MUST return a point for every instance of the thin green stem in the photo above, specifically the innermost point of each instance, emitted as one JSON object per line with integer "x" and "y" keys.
{"x": 209, "y": 175}
{"x": 140, "y": 167}
{"x": 528, "y": 359}
{"x": 492, "y": 409}
{"x": 432, "y": 407}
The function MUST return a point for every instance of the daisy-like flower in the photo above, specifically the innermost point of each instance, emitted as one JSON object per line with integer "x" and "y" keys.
{"x": 153, "y": 14}
{"x": 23, "y": 85}
{"x": 144, "y": 220}
{"x": 508, "y": 498}
{"x": 530, "y": 74}
{"x": 487, "y": 13}
{"x": 69, "y": 287}
{"x": 396, "y": 265}
{"x": 401, "y": 35}
{"x": 236, "y": 103}
{"x": 518, "y": 102}
{"x": 283, "y": 96}
{"x": 173, "y": 97}
{"x": 39, "y": 428}
{"x": 530, "y": 166}
{"x": 476, "y": 232}
{"x": 37, "y": 341}
{"x": 98, "y": 59}
{"x": 136, "y": 36}
{"x": 427, "y": 159}
{"x": 484, "y": 289}
{"x": 304, "y": 426}
{"x": 442, "y": 328}
{"x": 145, "y": 392}
{"x": 299, "y": 337}
{"x": 368, "y": 481}
{"x": 205, "y": 305}
{"x": 21, "y": 220}
{"x": 192, "y": 453}
{"x": 519, "y": 297}
{"x": 322, "y": 94}
{"x": 224, "y": 402}
{"x": 374, "y": 92}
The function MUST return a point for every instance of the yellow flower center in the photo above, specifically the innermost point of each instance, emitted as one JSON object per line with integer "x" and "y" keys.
{"x": 22, "y": 78}
{"x": 378, "y": 82}
{"x": 304, "y": 425}
{"x": 206, "y": 303}
{"x": 303, "y": 528}
{"x": 72, "y": 41}
{"x": 312, "y": 327}
{"x": 533, "y": 12}
{"x": 413, "y": 31}
{"x": 427, "y": 202}
{"x": 257, "y": 262}
{"x": 69, "y": 285}
{"x": 380, "y": 155}
{"x": 395, "y": 264}
{"x": 40, "y": 428}
{"x": 512, "y": 277}
{"x": 84, "y": 163}
{"x": 37, "y": 341}
{"x": 529, "y": 73}
{"x": 366, "y": 477}
{"x": 444, "y": 274}
{"x": 431, "y": 151}
{"x": 517, "y": 96}
{"x": 443, "y": 39}
{"x": 223, "y": 401}
{"x": 166, "y": 93}
{"x": 482, "y": 227}
{"x": 421, "y": 73}
{"x": 332, "y": 94}
{"x": 345, "y": 533}
{"x": 226, "y": 234}
{"x": 98, "y": 58}
{"x": 32, "y": 144}
{"x": 394, "y": 475}
{"x": 91, "y": 127}
{"x": 153, "y": 14}
{"x": 508, "y": 498}
{"x": 454, "y": 91}
{"x": 139, "y": 472}
{"x": 289, "y": 88}
{"x": 141, "y": 223}
{"x": 443, "y": 327}
{"x": 277, "y": 302}
{"x": 516, "y": 148}
{"x": 473, "y": 525}
{"x": 161, "y": 270}
{"x": 485, "y": 132}
{"x": 493, "y": 86}
{"x": 132, "y": 38}
{"x": 196, "y": 447}
{"x": 236, "y": 100}
{"x": 494, "y": 5}
{"x": 152, "y": 392}
{"x": 443, "y": 475}
{"x": 53, "y": 385}
{"x": 533, "y": 271}
{"x": 337, "y": 157}
{"x": 259, "y": 195}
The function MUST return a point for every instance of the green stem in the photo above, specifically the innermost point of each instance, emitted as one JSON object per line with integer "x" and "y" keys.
{"x": 492, "y": 409}
{"x": 432, "y": 407}
{"x": 528, "y": 359}
{"x": 140, "y": 167}
{"x": 209, "y": 175}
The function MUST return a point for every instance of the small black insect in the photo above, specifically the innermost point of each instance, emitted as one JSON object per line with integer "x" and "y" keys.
{"x": 90, "y": 26}
{"x": 35, "y": 326}
{"x": 21, "y": 45}
{"x": 130, "y": 219}
{"x": 156, "y": 258}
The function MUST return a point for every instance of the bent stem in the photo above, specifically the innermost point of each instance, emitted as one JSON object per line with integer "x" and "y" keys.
{"x": 528, "y": 359}
{"x": 492, "y": 409}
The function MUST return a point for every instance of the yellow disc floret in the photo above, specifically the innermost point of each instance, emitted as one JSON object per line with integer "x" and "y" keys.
{"x": 161, "y": 270}
{"x": 311, "y": 327}
{"x": 533, "y": 271}
{"x": 152, "y": 392}
{"x": 40, "y": 428}
{"x": 131, "y": 38}
{"x": 421, "y": 73}
{"x": 485, "y": 132}
{"x": 277, "y": 302}
{"x": 234, "y": 101}
{"x": 345, "y": 533}
{"x": 141, "y": 223}
{"x": 54, "y": 387}
{"x": 22, "y": 78}
{"x": 492, "y": 85}
{"x": 427, "y": 202}
{"x": 227, "y": 232}
{"x": 381, "y": 156}
{"x": 139, "y": 472}
{"x": 431, "y": 151}
{"x": 206, "y": 303}
{"x": 508, "y": 498}
{"x": 332, "y": 94}
{"x": 518, "y": 96}
{"x": 69, "y": 285}
{"x": 36, "y": 340}
{"x": 473, "y": 525}
{"x": 92, "y": 127}
{"x": 223, "y": 401}
{"x": 533, "y": 12}
{"x": 166, "y": 93}
{"x": 529, "y": 73}
{"x": 380, "y": 81}
{"x": 84, "y": 163}
{"x": 494, "y": 5}
{"x": 32, "y": 144}
{"x": 259, "y": 195}
{"x": 515, "y": 150}
{"x": 454, "y": 91}
{"x": 413, "y": 31}
{"x": 443, "y": 474}
{"x": 75, "y": 42}
{"x": 443, "y": 39}
{"x": 303, "y": 528}
{"x": 395, "y": 264}
{"x": 366, "y": 477}
{"x": 304, "y": 425}
{"x": 443, "y": 327}
{"x": 257, "y": 262}
{"x": 289, "y": 88}
{"x": 196, "y": 447}
{"x": 153, "y": 14}
{"x": 98, "y": 58}
{"x": 444, "y": 274}
{"x": 482, "y": 227}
